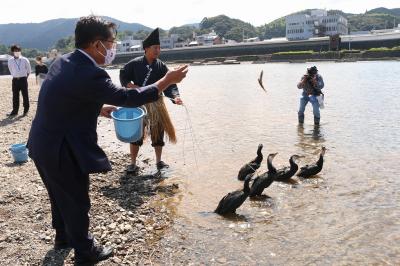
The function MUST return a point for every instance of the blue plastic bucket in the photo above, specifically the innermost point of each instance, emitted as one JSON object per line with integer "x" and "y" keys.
{"x": 19, "y": 152}
{"x": 128, "y": 123}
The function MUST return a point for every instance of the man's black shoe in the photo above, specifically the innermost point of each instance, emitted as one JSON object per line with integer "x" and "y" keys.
{"x": 60, "y": 241}
{"x": 161, "y": 165}
{"x": 98, "y": 253}
{"x": 61, "y": 244}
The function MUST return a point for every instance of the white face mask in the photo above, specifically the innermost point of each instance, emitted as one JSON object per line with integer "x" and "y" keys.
{"x": 17, "y": 54}
{"x": 110, "y": 55}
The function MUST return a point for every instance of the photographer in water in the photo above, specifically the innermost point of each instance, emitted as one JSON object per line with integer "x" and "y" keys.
{"x": 311, "y": 84}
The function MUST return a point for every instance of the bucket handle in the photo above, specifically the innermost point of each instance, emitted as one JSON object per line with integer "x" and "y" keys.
{"x": 144, "y": 109}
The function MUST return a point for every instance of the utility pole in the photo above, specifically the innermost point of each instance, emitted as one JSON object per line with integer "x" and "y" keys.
{"x": 349, "y": 43}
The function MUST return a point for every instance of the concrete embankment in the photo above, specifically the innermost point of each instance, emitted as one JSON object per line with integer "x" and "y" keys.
{"x": 262, "y": 51}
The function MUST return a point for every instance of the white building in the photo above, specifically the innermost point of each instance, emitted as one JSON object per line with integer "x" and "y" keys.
{"x": 129, "y": 45}
{"x": 208, "y": 39}
{"x": 169, "y": 42}
{"x": 318, "y": 24}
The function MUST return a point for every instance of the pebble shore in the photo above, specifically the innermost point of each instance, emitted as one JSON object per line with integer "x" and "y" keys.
{"x": 128, "y": 213}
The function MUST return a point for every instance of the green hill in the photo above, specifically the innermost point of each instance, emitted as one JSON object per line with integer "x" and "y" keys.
{"x": 44, "y": 35}
{"x": 372, "y": 21}
{"x": 229, "y": 28}
{"x": 383, "y": 10}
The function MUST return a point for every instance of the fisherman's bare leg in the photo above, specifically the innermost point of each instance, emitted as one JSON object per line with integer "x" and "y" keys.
{"x": 158, "y": 151}
{"x": 134, "y": 153}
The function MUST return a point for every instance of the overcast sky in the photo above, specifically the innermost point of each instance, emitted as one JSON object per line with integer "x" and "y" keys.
{"x": 169, "y": 13}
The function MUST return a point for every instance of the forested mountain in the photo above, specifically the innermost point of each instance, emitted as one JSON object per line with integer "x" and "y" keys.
{"x": 44, "y": 35}
{"x": 57, "y": 33}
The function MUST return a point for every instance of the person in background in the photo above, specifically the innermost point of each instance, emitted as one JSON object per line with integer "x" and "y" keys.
{"x": 311, "y": 84}
{"x": 20, "y": 68}
{"x": 63, "y": 139}
{"x": 143, "y": 70}
{"x": 40, "y": 71}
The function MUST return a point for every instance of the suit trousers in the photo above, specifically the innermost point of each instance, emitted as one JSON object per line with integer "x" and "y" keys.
{"x": 68, "y": 190}
{"x": 20, "y": 85}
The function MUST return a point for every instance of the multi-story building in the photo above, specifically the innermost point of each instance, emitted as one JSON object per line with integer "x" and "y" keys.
{"x": 129, "y": 45}
{"x": 209, "y": 39}
{"x": 317, "y": 24}
{"x": 169, "y": 42}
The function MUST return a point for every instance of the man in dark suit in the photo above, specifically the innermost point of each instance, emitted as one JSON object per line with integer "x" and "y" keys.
{"x": 63, "y": 139}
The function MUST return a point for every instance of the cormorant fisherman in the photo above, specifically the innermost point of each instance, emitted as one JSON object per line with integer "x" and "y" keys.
{"x": 141, "y": 71}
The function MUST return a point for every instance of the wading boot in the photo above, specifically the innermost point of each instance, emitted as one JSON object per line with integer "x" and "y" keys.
{"x": 316, "y": 121}
{"x": 301, "y": 119}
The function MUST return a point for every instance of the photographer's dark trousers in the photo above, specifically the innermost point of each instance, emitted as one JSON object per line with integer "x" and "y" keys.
{"x": 303, "y": 103}
{"x": 68, "y": 190}
{"x": 20, "y": 85}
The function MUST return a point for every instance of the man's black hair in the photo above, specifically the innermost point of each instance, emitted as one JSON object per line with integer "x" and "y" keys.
{"x": 92, "y": 28}
{"x": 312, "y": 70}
{"x": 15, "y": 48}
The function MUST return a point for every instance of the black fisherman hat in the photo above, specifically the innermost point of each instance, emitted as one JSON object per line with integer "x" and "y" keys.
{"x": 152, "y": 39}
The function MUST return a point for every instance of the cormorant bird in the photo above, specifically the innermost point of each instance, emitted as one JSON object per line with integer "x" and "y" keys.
{"x": 234, "y": 200}
{"x": 264, "y": 180}
{"x": 285, "y": 173}
{"x": 313, "y": 169}
{"x": 251, "y": 167}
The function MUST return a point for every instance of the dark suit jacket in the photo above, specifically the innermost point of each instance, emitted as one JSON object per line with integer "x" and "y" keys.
{"x": 69, "y": 103}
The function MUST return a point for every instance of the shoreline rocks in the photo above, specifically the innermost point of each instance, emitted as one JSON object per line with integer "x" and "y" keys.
{"x": 127, "y": 212}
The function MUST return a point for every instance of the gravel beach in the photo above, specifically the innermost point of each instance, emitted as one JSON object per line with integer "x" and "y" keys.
{"x": 129, "y": 213}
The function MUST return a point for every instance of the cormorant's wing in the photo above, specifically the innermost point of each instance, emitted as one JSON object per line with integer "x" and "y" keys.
{"x": 282, "y": 170}
{"x": 229, "y": 202}
{"x": 305, "y": 167}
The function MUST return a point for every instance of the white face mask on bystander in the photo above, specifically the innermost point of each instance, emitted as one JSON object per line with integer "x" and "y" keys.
{"x": 17, "y": 54}
{"x": 110, "y": 54}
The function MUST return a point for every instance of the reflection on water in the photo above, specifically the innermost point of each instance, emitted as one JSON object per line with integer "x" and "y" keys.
{"x": 349, "y": 214}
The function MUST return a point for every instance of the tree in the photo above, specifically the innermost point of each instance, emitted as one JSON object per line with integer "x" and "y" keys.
{"x": 3, "y": 49}
{"x": 235, "y": 34}
{"x": 276, "y": 28}
{"x": 185, "y": 32}
{"x": 227, "y": 27}
{"x": 65, "y": 45}
{"x": 31, "y": 53}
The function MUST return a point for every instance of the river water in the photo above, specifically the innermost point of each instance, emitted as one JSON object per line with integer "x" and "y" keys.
{"x": 348, "y": 214}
